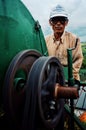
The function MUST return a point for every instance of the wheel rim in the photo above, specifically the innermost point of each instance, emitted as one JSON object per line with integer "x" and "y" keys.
{"x": 14, "y": 97}
{"x": 37, "y": 78}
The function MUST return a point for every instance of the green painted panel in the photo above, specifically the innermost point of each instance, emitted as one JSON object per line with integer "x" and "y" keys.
{"x": 18, "y": 31}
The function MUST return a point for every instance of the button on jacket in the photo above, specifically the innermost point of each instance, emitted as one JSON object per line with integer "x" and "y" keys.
{"x": 59, "y": 50}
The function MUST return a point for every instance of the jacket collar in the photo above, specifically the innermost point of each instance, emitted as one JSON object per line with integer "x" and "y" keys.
{"x": 61, "y": 39}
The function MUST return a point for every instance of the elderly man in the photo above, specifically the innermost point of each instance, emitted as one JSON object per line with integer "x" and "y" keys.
{"x": 58, "y": 42}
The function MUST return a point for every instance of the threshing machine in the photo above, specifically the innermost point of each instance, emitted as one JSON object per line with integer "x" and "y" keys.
{"x": 27, "y": 74}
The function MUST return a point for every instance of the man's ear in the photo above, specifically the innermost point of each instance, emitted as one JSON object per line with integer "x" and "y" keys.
{"x": 66, "y": 23}
{"x": 50, "y": 22}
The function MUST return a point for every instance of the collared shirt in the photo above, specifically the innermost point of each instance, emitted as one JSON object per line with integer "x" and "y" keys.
{"x": 59, "y": 50}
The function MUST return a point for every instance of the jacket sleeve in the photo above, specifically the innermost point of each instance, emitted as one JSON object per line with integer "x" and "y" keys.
{"x": 77, "y": 60}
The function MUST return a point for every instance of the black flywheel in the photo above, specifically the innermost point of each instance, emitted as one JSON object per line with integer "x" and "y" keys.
{"x": 15, "y": 83}
{"x": 44, "y": 72}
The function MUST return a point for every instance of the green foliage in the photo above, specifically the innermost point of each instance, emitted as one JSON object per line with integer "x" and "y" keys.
{"x": 83, "y": 67}
{"x": 84, "y": 63}
{"x": 84, "y": 54}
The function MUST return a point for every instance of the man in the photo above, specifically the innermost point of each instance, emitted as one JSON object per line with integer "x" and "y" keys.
{"x": 58, "y": 42}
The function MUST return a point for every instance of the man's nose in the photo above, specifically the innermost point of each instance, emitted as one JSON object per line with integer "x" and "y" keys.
{"x": 58, "y": 22}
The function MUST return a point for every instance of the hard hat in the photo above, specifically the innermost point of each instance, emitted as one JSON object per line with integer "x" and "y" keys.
{"x": 58, "y": 11}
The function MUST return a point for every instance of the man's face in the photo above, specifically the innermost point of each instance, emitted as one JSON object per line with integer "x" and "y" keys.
{"x": 58, "y": 24}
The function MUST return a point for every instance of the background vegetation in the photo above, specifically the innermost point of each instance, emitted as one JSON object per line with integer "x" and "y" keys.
{"x": 83, "y": 68}
{"x": 84, "y": 54}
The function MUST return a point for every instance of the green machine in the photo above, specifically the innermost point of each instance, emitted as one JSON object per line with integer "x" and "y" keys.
{"x": 25, "y": 72}
{"x": 18, "y": 32}
{"x": 21, "y": 44}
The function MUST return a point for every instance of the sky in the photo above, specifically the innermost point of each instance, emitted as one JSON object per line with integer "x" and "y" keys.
{"x": 40, "y": 10}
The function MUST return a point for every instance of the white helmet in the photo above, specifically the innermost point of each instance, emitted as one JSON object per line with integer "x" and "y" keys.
{"x": 58, "y": 11}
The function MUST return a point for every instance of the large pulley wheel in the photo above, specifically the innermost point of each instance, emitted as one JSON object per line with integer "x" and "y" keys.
{"x": 45, "y": 70}
{"x": 15, "y": 83}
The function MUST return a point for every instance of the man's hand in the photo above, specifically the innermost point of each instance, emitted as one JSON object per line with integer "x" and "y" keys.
{"x": 77, "y": 83}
